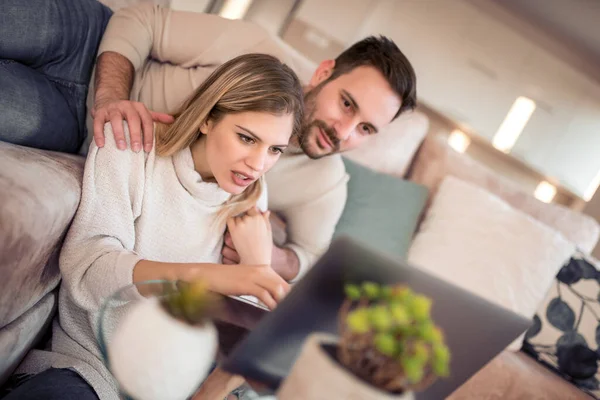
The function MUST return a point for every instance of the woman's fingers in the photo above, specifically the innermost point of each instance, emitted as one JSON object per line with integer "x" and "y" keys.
{"x": 274, "y": 284}
{"x": 266, "y": 297}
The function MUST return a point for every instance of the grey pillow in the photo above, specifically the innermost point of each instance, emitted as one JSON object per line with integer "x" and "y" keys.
{"x": 382, "y": 210}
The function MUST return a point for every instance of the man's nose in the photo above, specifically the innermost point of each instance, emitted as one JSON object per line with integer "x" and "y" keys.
{"x": 344, "y": 128}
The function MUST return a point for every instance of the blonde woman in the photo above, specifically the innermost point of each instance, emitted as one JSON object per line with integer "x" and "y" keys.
{"x": 163, "y": 214}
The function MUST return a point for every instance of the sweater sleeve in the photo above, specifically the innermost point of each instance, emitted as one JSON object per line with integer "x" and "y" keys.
{"x": 184, "y": 39}
{"x": 311, "y": 225}
{"x": 97, "y": 257}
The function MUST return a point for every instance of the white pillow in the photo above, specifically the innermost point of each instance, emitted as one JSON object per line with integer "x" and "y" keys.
{"x": 392, "y": 150}
{"x": 478, "y": 242}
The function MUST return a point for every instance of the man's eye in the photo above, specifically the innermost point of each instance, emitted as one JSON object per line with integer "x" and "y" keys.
{"x": 246, "y": 139}
{"x": 346, "y": 103}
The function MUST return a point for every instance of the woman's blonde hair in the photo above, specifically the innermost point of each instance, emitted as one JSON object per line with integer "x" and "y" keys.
{"x": 251, "y": 82}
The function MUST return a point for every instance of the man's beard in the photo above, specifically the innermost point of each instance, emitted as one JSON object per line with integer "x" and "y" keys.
{"x": 310, "y": 123}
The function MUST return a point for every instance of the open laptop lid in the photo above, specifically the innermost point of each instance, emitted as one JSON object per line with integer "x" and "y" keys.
{"x": 475, "y": 329}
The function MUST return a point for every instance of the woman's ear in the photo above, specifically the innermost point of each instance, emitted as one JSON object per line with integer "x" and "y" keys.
{"x": 206, "y": 126}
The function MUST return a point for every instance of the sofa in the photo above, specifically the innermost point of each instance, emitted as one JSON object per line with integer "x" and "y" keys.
{"x": 40, "y": 190}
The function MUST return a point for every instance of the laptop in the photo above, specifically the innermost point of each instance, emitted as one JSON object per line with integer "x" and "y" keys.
{"x": 475, "y": 329}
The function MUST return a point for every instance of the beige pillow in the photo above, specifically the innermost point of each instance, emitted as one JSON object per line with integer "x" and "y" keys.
{"x": 478, "y": 242}
{"x": 436, "y": 160}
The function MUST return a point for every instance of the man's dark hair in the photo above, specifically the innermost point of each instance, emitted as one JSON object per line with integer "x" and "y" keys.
{"x": 383, "y": 54}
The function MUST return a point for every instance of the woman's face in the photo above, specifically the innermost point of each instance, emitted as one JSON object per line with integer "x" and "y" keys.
{"x": 242, "y": 147}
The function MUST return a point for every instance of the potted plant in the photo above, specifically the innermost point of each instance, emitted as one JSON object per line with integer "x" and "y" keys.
{"x": 163, "y": 346}
{"x": 388, "y": 348}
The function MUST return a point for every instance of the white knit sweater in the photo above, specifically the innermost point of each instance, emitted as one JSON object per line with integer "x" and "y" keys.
{"x": 133, "y": 206}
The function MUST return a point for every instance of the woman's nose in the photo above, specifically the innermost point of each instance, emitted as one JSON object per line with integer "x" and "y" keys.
{"x": 256, "y": 161}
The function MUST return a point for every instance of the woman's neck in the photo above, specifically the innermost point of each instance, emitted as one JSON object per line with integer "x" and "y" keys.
{"x": 201, "y": 166}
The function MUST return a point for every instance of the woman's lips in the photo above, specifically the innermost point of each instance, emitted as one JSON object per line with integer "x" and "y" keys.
{"x": 241, "y": 179}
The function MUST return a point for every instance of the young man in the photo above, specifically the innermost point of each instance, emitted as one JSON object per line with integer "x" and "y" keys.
{"x": 155, "y": 57}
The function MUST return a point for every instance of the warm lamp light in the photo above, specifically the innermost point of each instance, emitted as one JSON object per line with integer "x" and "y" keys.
{"x": 513, "y": 124}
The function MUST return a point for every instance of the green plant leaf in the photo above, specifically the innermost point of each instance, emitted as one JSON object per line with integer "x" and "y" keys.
{"x": 387, "y": 292}
{"x": 402, "y": 294}
{"x": 421, "y": 351}
{"x": 400, "y": 314}
{"x": 413, "y": 369}
{"x": 358, "y": 321}
{"x": 352, "y": 292}
{"x": 381, "y": 318}
{"x": 386, "y": 344}
{"x": 420, "y": 307}
{"x": 372, "y": 290}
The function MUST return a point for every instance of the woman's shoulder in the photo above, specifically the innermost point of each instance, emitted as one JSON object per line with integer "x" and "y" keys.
{"x": 109, "y": 135}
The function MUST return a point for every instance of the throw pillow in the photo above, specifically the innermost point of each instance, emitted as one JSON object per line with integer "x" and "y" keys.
{"x": 382, "y": 210}
{"x": 393, "y": 149}
{"x": 565, "y": 335}
{"x": 478, "y": 242}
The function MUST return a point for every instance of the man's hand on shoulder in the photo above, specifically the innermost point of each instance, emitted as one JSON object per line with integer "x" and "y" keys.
{"x": 138, "y": 117}
{"x": 114, "y": 79}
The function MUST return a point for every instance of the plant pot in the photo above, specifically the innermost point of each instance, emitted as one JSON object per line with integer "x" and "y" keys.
{"x": 154, "y": 356}
{"x": 317, "y": 375}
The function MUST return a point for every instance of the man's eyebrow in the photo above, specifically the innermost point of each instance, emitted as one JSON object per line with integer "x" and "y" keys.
{"x": 357, "y": 108}
{"x": 256, "y": 137}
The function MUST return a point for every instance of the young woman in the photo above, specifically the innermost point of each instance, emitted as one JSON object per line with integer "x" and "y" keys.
{"x": 163, "y": 214}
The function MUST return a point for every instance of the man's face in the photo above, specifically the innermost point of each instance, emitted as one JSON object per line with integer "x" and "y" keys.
{"x": 342, "y": 113}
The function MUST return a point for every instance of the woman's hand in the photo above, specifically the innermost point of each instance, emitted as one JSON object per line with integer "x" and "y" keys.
{"x": 259, "y": 281}
{"x": 252, "y": 237}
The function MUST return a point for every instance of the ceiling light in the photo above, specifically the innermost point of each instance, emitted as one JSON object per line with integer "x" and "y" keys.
{"x": 545, "y": 192}
{"x": 513, "y": 124}
{"x": 459, "y": 141}
{"x": 235, "y": 9}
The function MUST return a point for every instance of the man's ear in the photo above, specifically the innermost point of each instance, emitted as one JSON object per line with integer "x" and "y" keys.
{"x": 206, "y": 126}
{"x": 324, "y": 71}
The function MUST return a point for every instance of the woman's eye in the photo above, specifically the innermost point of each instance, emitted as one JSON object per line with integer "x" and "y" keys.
{"x": 246, "y": 139}
{"x": 276, "y": 150}
{"x": 366, "y": 129}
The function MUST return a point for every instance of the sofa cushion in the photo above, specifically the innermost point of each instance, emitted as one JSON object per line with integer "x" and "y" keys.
{"x": 478, "y": 242}
{"x": 566, "y": 331}
{"x": 39, "y": 193}
{"x": 436, "y": 160}
{"x": 382, "y": 211}
{"x": 392, "y": 150}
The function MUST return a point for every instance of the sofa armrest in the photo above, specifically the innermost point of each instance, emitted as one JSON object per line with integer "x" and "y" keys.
{"x": 39, "y": 194}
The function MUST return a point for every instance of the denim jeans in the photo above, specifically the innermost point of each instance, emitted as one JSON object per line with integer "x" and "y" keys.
{"x": 47, "y": 53}
{"x": 53, "y": 384}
